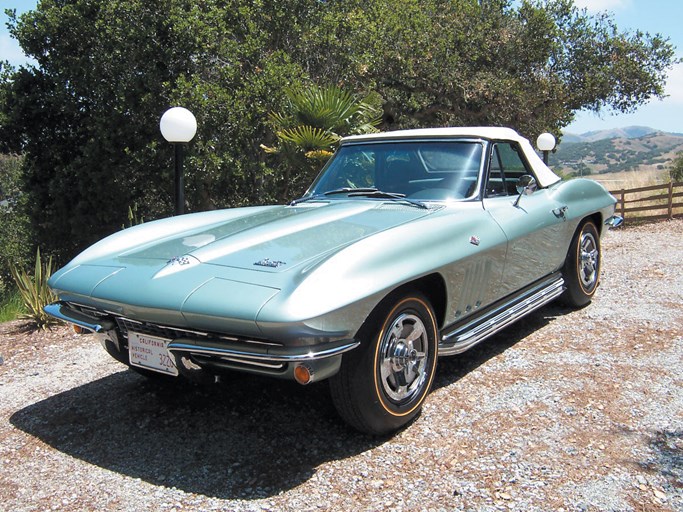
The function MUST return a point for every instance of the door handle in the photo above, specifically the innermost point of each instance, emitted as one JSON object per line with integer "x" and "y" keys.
{"x": 560, "y": 212}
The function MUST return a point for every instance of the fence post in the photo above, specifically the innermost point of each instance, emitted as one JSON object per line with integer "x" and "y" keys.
{"x": 622, "y": 203}
{"x": 671, "y": 199}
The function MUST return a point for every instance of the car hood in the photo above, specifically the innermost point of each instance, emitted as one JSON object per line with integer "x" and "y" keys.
{"x": 276, "y": 239}
{"x": 218, "y": 264}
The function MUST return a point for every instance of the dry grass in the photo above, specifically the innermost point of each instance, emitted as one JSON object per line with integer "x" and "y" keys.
{"x": 651, "y": 199}
{"x": 632, "y": 179}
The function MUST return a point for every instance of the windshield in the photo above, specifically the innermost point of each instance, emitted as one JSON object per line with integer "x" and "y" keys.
{"x": 421, "y": 170}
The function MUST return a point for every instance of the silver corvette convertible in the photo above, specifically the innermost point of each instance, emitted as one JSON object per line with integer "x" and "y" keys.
{"x": 409, "y": 245}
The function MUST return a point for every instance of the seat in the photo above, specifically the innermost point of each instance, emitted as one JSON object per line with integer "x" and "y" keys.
{"x": 397, "y": 177}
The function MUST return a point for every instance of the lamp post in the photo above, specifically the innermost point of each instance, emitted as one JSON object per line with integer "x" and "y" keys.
{"x": 178, "y": 126}
{"x": 546, "y": 143}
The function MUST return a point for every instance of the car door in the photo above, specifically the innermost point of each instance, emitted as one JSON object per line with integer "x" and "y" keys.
{"x": 535, "y": 226}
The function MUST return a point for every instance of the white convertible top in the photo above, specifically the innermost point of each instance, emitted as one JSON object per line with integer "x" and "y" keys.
{"x": 543, "y": 174}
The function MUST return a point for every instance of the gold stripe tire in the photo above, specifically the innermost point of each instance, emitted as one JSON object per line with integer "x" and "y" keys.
{"x": 382, "y": 385}
{"x": 581, "y": 269}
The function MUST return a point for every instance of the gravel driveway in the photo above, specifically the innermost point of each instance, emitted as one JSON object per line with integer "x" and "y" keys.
{"x": 566, "y": 410}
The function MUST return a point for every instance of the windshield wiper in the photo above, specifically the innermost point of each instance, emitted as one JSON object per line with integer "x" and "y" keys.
{"x": 305, "y": 198}
{"x": 361, "y": 192}
{"x": 345, "y": 190}
{"x": 387, "y": 195}
{"x": 350, "y": 191}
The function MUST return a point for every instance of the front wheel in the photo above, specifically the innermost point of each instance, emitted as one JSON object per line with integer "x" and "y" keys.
{"x": 582, "y": 267}
{"x": 381, "y": 385}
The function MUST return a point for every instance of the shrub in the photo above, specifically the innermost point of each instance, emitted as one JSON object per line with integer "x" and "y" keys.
{"x": 134, "y": 218}
{"x": 676, "y": 169}
{"x": 11, "y": 306}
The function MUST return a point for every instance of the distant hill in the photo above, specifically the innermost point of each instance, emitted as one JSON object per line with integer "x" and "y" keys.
{"x": 630, "y": 132}
{"x": 626, "y": 149}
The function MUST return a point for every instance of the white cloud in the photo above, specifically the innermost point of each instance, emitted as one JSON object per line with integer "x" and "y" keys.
{"x": 674, "y": 85}
{"x": 603, "y": 5}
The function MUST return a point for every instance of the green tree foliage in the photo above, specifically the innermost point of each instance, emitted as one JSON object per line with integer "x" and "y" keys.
{"x": 86, "y": 116}
{"x": 464, "y": 62}
{"x": 16, "y": 242}
{"x": 676, "y": 169}
{"x": 309, "y": 127}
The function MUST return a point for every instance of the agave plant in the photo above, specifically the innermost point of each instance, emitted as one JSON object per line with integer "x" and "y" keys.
{"x": 34, "y": 291}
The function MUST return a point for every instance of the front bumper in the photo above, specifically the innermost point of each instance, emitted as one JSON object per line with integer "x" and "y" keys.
{"x": 196, "y": 351}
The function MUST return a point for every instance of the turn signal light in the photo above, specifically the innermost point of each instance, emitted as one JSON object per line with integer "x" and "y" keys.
{"x": 78, "y": 329}
{"x": 303, "y": 374}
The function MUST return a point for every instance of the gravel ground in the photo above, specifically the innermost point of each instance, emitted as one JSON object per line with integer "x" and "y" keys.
{"x": 566, "y": 410}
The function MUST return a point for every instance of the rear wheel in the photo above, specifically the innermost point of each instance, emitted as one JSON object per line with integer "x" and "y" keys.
{"x": 582, "y": 267}
{"x": 382, "y": 385}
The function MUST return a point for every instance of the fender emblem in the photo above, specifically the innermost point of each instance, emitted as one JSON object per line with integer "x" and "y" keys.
{"x": 474, "y": 240}
{"x": 179, "y": 260}
{"x": 270, "y": 263}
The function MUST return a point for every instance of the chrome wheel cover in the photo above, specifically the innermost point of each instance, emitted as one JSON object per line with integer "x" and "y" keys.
{"x": 589, "y": 261}
{"x": 403, "y": 354}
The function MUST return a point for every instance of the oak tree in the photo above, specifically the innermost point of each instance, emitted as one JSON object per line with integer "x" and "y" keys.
{"x": 86, "y": 115}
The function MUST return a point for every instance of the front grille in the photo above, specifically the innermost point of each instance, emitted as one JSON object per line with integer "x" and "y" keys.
{"x": 89, "y": 311}
{"x": 160, "y": 331}
{"x": 171, "y": 333}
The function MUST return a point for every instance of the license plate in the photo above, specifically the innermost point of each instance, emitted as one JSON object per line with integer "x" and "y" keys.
{"x": 150, "y": 352}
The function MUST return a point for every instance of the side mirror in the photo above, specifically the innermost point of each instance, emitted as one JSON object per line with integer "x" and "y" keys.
{"x": 526, "y": 185}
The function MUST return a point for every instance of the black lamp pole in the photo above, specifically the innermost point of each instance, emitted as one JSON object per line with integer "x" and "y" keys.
{"x": 178, "y": 125}
{"x": 179, "y": 182}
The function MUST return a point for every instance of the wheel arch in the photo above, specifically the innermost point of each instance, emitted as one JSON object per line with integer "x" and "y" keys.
{"x": 597, "y": 220}
{"x": 433, "y": 287}
{"x": 362, "y": 389}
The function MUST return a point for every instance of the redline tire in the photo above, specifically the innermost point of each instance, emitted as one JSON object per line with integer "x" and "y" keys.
{"x": 581, "y": 269}
{"x": 382, "y": 385}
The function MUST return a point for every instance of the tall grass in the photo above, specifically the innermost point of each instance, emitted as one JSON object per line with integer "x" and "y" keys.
{"x": 11, "y": 307}
{"x": 632, "y": 179}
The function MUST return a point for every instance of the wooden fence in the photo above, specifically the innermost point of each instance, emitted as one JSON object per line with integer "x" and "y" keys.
{"x": 655, "y": 202}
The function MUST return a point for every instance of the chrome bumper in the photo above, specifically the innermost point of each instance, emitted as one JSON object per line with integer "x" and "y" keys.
{"x": 321, "y": 361}
{"x": 233, "y": 349}
{"x": 63, "y": 312}
{"x": 614, "y": 221}
{"x": 270, "y": 354}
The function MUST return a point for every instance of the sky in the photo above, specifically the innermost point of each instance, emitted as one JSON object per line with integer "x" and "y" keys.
{"x": 653, "y": 16}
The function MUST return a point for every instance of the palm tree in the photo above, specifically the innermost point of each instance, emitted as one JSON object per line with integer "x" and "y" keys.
{"x": 310, "y": 126}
